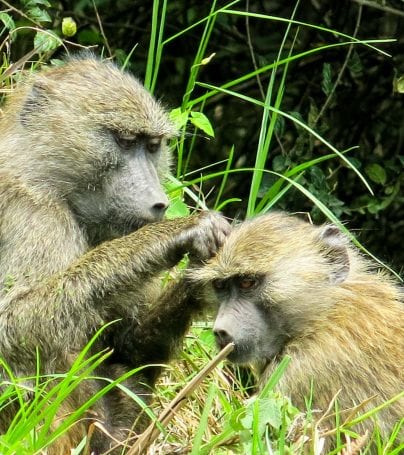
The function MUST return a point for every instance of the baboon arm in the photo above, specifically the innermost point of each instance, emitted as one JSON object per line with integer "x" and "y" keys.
{"x": 59, "y": 313}
{"x": 159, "y": 330}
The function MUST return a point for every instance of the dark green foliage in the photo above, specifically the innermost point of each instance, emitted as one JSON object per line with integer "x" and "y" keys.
{"x": 344, "y": 93}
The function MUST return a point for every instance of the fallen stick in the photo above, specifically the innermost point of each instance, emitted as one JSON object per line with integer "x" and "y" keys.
{"x": 152, "y": 431}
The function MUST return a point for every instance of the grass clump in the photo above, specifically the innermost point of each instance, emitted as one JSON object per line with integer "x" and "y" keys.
{"x": 227, "y": 415}
{"x": 224, "y": 414}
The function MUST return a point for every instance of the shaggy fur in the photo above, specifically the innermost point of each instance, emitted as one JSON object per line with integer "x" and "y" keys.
{"x": 317, "y": 300}
{"x": 81, "y": 237}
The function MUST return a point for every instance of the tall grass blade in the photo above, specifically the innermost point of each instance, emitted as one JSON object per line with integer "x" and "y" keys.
{"x": 196, "y": 445}
{"x": 152, "y": 46}
{"x": 268, "y": 67}
{"x": 224, "y": 180}
{"x": 298, "y": 122}
{"x": 266, "y": 132}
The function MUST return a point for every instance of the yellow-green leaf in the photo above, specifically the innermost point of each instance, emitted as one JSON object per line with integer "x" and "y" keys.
{"x": 202, "y": 122}
{"x": 7, "y": 20}
{"x": 398, "y": 84}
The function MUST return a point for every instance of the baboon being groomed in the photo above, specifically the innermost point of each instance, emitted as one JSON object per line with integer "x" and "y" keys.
{"x": 83, "y": 152}
{"x": 282, "y": 286}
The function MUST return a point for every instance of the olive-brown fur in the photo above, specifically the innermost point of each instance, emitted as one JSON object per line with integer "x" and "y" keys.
{"x": 320, "y": 302}
{"x": 82, "y": 241}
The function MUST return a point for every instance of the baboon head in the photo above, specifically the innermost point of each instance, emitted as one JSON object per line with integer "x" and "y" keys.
{"x": 271, "y": 281}
{"x": 98, "y": 139}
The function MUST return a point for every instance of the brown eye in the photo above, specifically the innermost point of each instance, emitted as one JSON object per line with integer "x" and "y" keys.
{"x": 154, "y": 144}
{"x": 219, "y": 284}
{"x": 126, "y": 141}
{"x": 247, "y": 283}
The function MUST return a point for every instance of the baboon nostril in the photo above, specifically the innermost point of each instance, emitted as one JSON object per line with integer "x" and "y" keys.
{"x": 160, "y": 207}
{"x": 157, "y": 210}
{"x": 222, "y": 336}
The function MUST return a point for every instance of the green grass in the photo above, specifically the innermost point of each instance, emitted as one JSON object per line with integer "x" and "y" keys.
{"x": 225, "y": 417}
{"x": 33, "y": 429}
{"x": 222, "y": 416}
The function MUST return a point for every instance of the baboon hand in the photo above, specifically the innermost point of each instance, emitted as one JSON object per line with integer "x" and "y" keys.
{"x": 203, "y": 240}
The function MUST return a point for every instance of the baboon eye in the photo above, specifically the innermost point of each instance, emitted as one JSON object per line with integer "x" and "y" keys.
{"x": 219, "y": 284}
{"x": 126, "y": 141}
{"x": 153, "y": 144}
{"x": 247, "y": 283}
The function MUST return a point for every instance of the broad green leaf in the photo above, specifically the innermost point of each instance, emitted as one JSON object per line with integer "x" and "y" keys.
{"x": 39, "y": 15}
{"x": 46, "y": 41}
{"x": 355, "y": 65}
{"x": 376, "y": 173}
{"x": 57, "y": 62}
{"x": 326, "y": 84}
{"x": 269, "y": 412}
{"x": 202, "y": 122}
{"x": 280, "y": 163}
{"x": 207, "y": 337}
{"x": 7, "y": 20}
{"x": 32, "y": 3}
{"x": 398, "y": 84}
{"x": 177, "y": 208}
{"x": 298, "y": 116}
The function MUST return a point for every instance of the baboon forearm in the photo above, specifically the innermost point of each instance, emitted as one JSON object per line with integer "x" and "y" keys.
{"x": 160, "y": 330}
{"x": 69, "y": 305}
{"x": 154, "y": 337}
{"x": 151, "y": 250}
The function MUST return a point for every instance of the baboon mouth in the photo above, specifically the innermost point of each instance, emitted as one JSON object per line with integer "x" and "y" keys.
{"x": 221, "y": 344}
{"x": 128, "y": 225}
{"x": 238, "y": 355}
{"x": 125, "y": 227}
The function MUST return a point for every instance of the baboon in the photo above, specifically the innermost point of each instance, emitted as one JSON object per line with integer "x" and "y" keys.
{"x": 83, "y": 153}
{"x": 282, "y": 286}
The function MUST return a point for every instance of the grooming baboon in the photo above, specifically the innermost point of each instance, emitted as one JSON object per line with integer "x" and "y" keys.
{"x": 82, "y": 154}
{"x": 283, "y": 286}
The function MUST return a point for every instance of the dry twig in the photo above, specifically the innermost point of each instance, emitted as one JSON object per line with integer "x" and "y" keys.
{"x": 353, "y": 448}
{"x": 152, "y": 432}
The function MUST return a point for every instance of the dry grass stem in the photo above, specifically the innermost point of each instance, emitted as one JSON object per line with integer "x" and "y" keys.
{"x": 353, "y": 448}
{"x": 152, "y": 432}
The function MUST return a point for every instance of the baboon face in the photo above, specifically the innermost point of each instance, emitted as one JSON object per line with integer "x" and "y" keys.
{"x": 243, "y": 320}
{"x": 102, "y": 140}
{"x": 270, "y": 282}
{"x": 129, "y": 194}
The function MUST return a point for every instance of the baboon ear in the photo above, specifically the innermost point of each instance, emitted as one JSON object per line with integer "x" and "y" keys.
{"x": 35, "y": 101}
{"x": 336, "y": 251}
